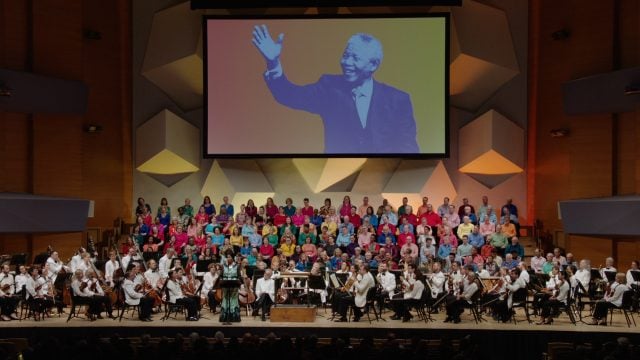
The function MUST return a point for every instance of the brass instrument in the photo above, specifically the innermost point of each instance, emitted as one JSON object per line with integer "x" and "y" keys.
{"x": 349, "y": 284}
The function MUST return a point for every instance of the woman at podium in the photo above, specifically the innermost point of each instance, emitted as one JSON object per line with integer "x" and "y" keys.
{"x": 230, "y": 284}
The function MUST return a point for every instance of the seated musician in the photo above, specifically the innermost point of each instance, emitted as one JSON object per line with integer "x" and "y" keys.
{"x": 110, "y": 267}
{"x": 265, "y": 294}
{"x": 558, "y": 297}
{"x": 436, "y": 283}
{"x": 612, "y": 299}
{"x": 135, "y": 297}
{"x": 49, "y": 292}
{"x": 548, "y": 291}
{"x": 387, "y": 284}
{"x": 175, "y": 295}
{"x": 21, "y": 279}
{"x": 497, "y": 291}
{"x": 608, "y": 268}
{"x": 363, "y": 282}
{"x": 55, "y": 265}
{"x": 99, "y": 295}
{"x": 34, "y": 295}
{"x": 208, "y": 291}
{"x": 413, "y": 286}
{"x": 80, "y": 288}
{"x": 455, "y": 307}
{"x": 165, "y": 263}
{"x": 8, "y": 302}
{"x": 502, "y": 307}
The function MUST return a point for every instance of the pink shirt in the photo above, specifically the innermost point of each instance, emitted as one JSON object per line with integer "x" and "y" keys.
{"x": 487, "y": 229}
{"x": 308, "y": 211}
{"x": 345, "y": 210}
{"x": 297, "y": 220}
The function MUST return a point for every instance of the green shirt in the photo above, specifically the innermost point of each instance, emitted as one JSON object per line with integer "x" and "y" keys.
{"x": 302, "y": 238}
{"x": 498, "y": 240}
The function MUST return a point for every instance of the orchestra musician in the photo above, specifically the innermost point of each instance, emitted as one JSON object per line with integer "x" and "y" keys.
{"x": 80, "y": 288}
{"x": 55, "y": 265}
{"x": 386, "y": 285}
{"x": 455, "y": 307}
{"x": 8, "y": 302}
{"x": 412, "y": 289}
{"x": 98, "y": 293}
{"x": 165, "y": 262}
{"x": 21, "y": 279}
{"x": 436, "y": 283}
{"x": 502, "y": 307}
{"x": 363, "y": 282}
{"x": 49, "y": 292}
{"x": 265, "y": 293}
{"x": 175, "y": 295}
{"x": 110, "y": 267}
{"x": 208, "y": 291}
{"x": 608, "y": 268}
{"x": 559, "y": 297}
{"x": 612, "y": 298}
{"x": 549, "y": 290}
{"x": 139, "y": 298}
{"x": 35, "y": 294}
{"x": 132, "y": 256}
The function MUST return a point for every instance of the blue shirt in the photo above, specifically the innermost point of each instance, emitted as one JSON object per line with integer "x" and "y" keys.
{"x": 444, "y": 250}
{"x": 517, "y": 248}
{"x": 343, "y": 240}
{"x": 382, "y": 238}
{"x": 217, "y": 240}
{"x": 228, "y": 207}
{"x": 348, "y": 226}
{"x": 290, "y": 211}
{"x": 317, "y": 220}
{"x": 245, "y": 251}
{"x": 476, "y": 239}
{"x": 510, "y": 264}
{"x": 373, "y": 220}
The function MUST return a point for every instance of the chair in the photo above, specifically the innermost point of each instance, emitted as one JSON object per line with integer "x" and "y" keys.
{"x": 569, "y": 308}
{"x": 76, "y": 303}
{"x": 520, "y": 301}
{"x": 625, "y": 308}
{"x": 170, "y": 308}
{"x": 370, "y": 304}
{"x": 423, "y": 309}
{"x": 124, "y": 306}
{"x": 475, "y": 306}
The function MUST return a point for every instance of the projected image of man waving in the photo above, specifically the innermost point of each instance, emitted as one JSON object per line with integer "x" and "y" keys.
{"x": 360, "y": 114}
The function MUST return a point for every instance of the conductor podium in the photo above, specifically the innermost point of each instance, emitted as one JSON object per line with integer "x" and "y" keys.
{"x": 293, "y": 313}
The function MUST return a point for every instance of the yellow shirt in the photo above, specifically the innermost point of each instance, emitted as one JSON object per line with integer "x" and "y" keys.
{"x": 332, "y": 226}
{"x": 266, "y": 229}
{"x": 235, "y": 240}
{"x": 464, "y": 229}
{"x": 288, "y": 250}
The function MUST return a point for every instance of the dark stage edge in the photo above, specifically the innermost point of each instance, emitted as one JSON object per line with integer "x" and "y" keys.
{"x": 526, "y": 342}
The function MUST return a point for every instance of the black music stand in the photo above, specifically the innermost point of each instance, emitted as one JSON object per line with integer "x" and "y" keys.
{"x": 635, "y": 274}
{"x": 595, "y": 274}
{"x": 611, "y": 276}
{"x": 314, "y": 282}
{"x": 229, "y": 284}
{"x": 203, "y": 265}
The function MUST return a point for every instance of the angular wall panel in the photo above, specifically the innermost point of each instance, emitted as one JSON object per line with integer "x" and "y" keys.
{"x": 240, "y": 180}
{"x": 434, "y": 182}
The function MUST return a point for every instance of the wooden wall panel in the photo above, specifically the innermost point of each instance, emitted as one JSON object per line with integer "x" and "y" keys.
{"x": 594, "y": 249}
{"x": 627, "y": 250}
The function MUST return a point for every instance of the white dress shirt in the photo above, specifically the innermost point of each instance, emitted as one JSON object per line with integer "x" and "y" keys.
{"x": 132, "y": 297}
{"x": 175, "y": 291}
{"x": 388, "y": 282}
{"x": 109, "y": 268}
{"x": 265, "y": 286}
{"x": 437, "y": 283}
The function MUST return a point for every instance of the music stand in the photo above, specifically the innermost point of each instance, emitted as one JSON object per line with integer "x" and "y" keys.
{"x": 635, "y": 274}
{"x": 611, "y": 276}
{"x": 203, "y": 265}
{"x": 229, "y": 284}
{"x": 19, "y": 259}
{"x": 314, "y": 282}
{"x": 595, "y": 274}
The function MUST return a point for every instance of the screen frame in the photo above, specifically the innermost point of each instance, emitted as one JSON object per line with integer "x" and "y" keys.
{"x": 205, "y": 115}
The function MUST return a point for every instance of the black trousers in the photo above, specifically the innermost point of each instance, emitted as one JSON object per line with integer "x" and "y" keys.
{"x": 549, "y": 307}
{"x": 401, "y": 307}
{"x": 539, "y": 299}
{"x": 8, "y": 305}
{"x": 264, "y": 303}
{"x": 343, "y": 306}
{"x": 146, "y": 306}
{"x": 336, "y": 299}
{"x": 501, "y": 309}
{"x": 455, "y": 307}
{"x": 97, "y": 303}
{"x": 381, "y": 298}
{"x": 601, "y": 309}
{"x": 190, "y": 305}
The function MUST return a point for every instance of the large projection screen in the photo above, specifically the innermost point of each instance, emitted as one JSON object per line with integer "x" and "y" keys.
{"x": 322, "y": 87}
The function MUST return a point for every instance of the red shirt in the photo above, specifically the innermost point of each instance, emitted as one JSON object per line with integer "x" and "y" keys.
{"x": 433, "y": 219}
{"x": 251, "y": 211}
{"x": 345, "y": 210}
{"x": 355, "y": 220}
{"x": 279, "y": 220}
{"x": 308, "y": 211}
{"x": 413, "y": 220}
{"x": 402, "y": 239}
{"x": 266, "y": 250}
{"x": 392, "y": 228}
{"x": 272, "y": 211}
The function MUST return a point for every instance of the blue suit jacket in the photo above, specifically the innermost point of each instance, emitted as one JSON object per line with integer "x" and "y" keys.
{"x": 390, "y": 127}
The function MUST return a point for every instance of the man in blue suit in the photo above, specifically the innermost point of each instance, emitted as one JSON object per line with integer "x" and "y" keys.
{"x": 360, "y": 114}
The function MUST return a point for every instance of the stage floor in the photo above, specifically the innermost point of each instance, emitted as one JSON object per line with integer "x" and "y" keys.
{"x": 250, "y": 323}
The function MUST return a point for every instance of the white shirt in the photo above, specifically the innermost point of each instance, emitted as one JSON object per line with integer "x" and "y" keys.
{"x": 209, "y": 282}
{"x": 132, "y": 297}
{"x": 75, "y": 286}
{"x": 164, "y": 266}
{"x": 7, "y": 279}
{"x": 31, "y": 288}
{"x": 630, "y": 280}
{"x": 437, "y": 283}
{"x": 524, "y": 275}
{"x": 388, "y": 282}
{"x": 583, "y": 276}
{"x": 617, "y": 290}
{"x": 152, "y": 277}
{"x": 54, "y": 268}
{"x": 414, "y": 292}
{"x": 175, "y": 292}
{"x": 563, "y": 292}
{"x": 109, "y": 268}
{"x": 265, "y": 286}
{"x": 20, "y": 281}
{"x": 76, "y": 260}
{"x": 536, "y": 263}
{"x": 362, "y": 286}
{"x": 513, "y": 287}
